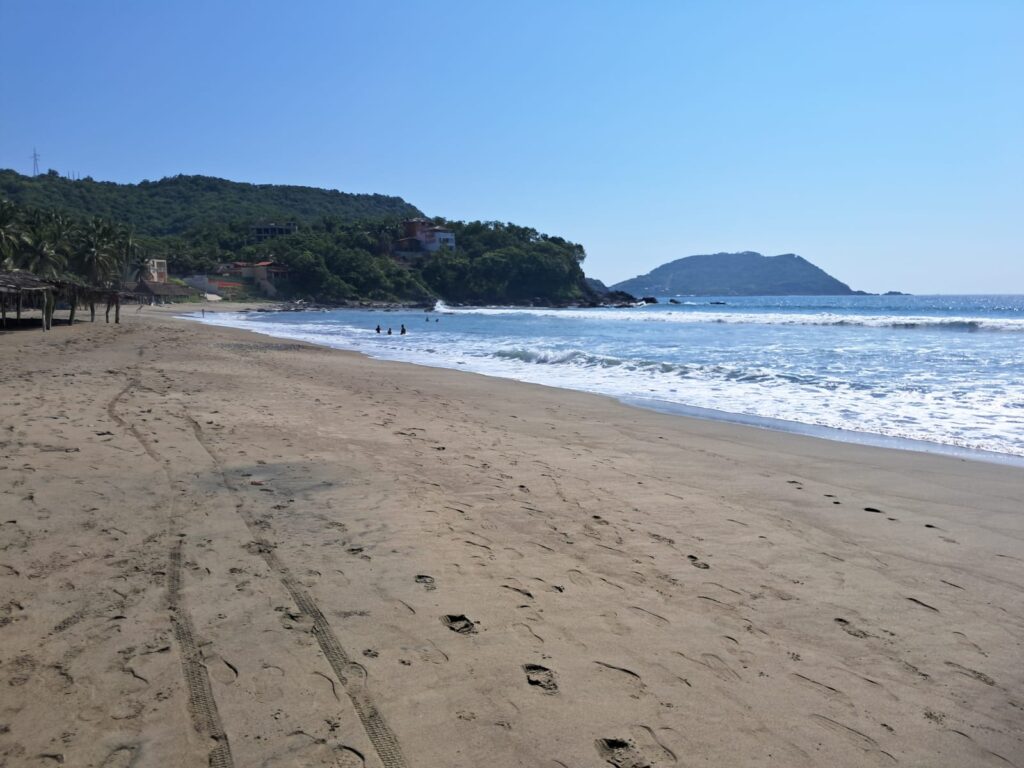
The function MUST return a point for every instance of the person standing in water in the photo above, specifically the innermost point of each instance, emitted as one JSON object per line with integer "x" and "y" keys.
{"x": 378, "y": 327}
{"x": 403, "y": 329}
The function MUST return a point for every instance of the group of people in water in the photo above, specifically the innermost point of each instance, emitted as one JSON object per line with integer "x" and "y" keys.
{"x": 402, "y": 331}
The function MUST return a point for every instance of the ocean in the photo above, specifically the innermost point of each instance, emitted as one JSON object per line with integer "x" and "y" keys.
{"x": 943, "y": 373}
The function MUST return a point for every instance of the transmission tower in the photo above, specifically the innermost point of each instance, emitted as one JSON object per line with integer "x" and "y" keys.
{"x": 35, "y": 162}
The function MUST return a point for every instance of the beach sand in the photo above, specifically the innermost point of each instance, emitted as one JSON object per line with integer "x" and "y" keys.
{"x": 222, "y": 549}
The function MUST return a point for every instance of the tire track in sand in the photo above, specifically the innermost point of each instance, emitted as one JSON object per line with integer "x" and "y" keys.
{"x": 350, "y": 674}
{"x": 201, "y": 703}
{"x": 202, "y": 706}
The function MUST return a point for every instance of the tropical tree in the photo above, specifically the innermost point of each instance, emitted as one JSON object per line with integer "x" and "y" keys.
{"x": 62, "y": 234}
{"x": 11, "y": 235}
{"x": 127, "y": 249}
{"x": 37, "y": 252}
{"x": 96, "y": 254}
{"x": 138, "y": 265}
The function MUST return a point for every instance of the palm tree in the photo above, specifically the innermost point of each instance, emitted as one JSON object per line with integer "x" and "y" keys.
{"x": 139, "y": 268}
{"x": 38, "y": 253}
{"x": 127, "y": 250}
{"x": 62, "y": 234}
{"x": 11, "y": 234}
{"x": 96, "y": 257}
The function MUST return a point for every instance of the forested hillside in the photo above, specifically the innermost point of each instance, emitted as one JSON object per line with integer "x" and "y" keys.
{"x": 181, "y": 205}
{"x": 497, "y": 263}
{"x": 343, "y": 249}
{"x": 493, "y": 263}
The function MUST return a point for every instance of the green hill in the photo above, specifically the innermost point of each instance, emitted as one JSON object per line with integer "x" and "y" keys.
{"x": 736, "y": 274}
{"x": 179, "y": 205}
{"x": 344, "y": 248}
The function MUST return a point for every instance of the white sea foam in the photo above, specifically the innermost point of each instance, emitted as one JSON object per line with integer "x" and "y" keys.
{"x": 851, "y": 386}
{"x": 662, "y": 315}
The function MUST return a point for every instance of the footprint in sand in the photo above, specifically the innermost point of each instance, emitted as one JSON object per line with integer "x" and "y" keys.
{"x": 850, "y": 629}
{"x": 426, "y": 581}
{"x": 541, "y": 677}
{"x": 308, "y": 752}
{"x": 652, "y": 743}
{"x": 716, "y": 665}
{"x": 221, "y": 670}
{"x": 579, "y": 578}
{"x": 526, "y": 631}
{"x": 122, "y": 757}
{"x": 430, "y": 653}
{"x": 634, "y": 684}
{"x": 621, "y": 753}
{"x": 457, "y": 622}
{"x": 697, "y": 562}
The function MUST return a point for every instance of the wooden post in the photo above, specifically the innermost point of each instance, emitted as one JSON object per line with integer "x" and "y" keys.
{"x": 117, "y": 309}
{"x": 18, "y": 307}
{"x": 108, "y": 307}
{"x": 92, "y": 308}
{"x": 3, "y": 310}
{"x": 74, "y": 306}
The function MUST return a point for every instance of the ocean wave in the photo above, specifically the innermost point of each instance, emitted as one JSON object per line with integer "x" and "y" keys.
{"x": 581, "y": 359}
{"x": 843, "y": 388}
{"x": 899, "y": 322}
{"x": 556, "y": 357}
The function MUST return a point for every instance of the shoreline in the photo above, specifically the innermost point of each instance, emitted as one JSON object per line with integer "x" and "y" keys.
{"x": 817, "y": 431}
{"x": 373, "y": 563}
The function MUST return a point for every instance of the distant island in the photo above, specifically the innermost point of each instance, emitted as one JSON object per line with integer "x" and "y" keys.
{"x": 737, "y": 274}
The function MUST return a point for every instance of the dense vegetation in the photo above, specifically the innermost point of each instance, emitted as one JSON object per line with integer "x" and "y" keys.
{"x": 332, "y": 261}
{"x": 94, "y": 252}
{"x": 493, "y": 263}
{"x": 342, "y": 251}
{"x": 498, "y": 263}
{"x": 189, "y": 205}
{"x": 736, "y": 274}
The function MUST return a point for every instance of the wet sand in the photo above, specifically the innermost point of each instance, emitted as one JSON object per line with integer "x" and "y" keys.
{"x": 222, "y": 549}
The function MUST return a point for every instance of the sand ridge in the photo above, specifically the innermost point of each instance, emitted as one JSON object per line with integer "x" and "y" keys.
{"x": 222, "y": 549}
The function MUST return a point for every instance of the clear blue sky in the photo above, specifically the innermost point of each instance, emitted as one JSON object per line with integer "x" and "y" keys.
{"x": 884, "y": 141}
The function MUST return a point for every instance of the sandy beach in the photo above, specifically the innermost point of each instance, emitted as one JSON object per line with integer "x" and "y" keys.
{"x": 221, "y": 549}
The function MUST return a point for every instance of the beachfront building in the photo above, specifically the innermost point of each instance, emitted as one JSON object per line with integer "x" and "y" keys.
{"x": 155, "y": 271}
{"x": 263, "y": 275}
{"x": 216, "y": 285}
{"x": 267, "y": 230}
{"x": 421, "y": 235}
{"x": 153, "y": 292}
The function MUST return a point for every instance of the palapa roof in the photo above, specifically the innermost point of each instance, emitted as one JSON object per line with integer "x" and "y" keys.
{"x": 18, "y": 281}
{"x": 161, "y": 289}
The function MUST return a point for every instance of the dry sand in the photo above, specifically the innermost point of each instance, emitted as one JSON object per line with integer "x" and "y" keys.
{"x": 220, "y": 549}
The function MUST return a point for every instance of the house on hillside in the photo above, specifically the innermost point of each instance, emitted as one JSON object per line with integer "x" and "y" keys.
{"x": 265, "y": 275}
{"x": 421, "y": 235}
{"x": 267, "y": 230}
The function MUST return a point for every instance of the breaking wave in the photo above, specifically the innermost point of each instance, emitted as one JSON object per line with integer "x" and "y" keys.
{"x": 966, "y": 324}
